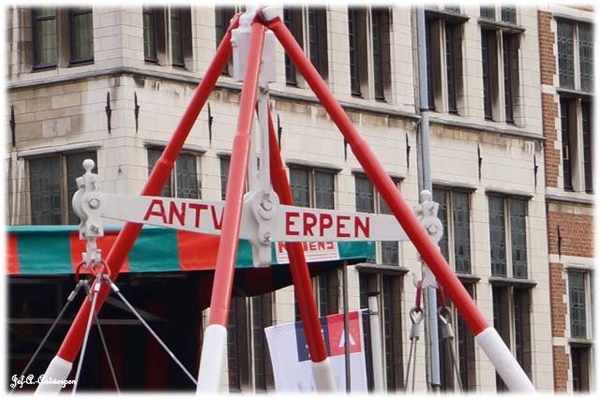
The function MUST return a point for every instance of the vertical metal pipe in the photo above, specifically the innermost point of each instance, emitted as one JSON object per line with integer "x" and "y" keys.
{"x": 431, "y": 325}
{"x": 346, "y": 328}
{"x": 376, "y": 345}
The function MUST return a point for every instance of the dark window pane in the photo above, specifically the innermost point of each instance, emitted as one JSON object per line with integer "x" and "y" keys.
{"x": 462, "y": 234}
{"x": 497, "y": 236}
{"x": 379, "y": 22}
{"x": 324, "y": 189}
{"x": 261, "y": 318}
{"x": 222, "y": 17}
{"x": 187, "y": 177}
{"x": 586, "y": 57}
{"x": 364, "y": 194}
{"x": 522, "y": 330}
{"x": 502, "y": 317}
{"x": 577, "y": 305}
{"x": 487, "y": 53}
{"x": 317, "y": 39}
{"x": 565, "y": 55}
{"x": 508, "y": 72}
{"x": 565, "y": 127}
{"x": 580, "y": 365}
{"x": 224, "y": 165}
{"x": 44, "y": 37}
{"x": 300, "y": 189}
{"x": 353, "y": 37}
{"x": 150, "y": 35}
{"x": 518, "y": 212}
{"x": 45, "y": 191}
{"x": 440, "y": 196}
{"x": 153, "y": 156}
{"x": 509, "y": 14}
{"x": 488, "y": 12}
{"x": 392, "y": 331}
{"x": 430, "y": 75}
{"x": 292, "y": 17}
{"x": 176, "y": 37}
{"x": 587, "y": 146}
{"x": 452, "y": 48}
{"x": 74, "y": 170}
{"x": 82, "y": 38}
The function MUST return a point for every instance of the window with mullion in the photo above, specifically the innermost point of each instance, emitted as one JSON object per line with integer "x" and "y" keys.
{"x": 300, "y": 186}
{"x": 364, "y": 194}
{"x": 379, "y": 23}
{"x": 45, "y": 42}
{"x": 353, "y": 37}
{"x": 488, "y": 12}
{"x": 509, "y": 14}
{"x": 187, "y": 176}
{"x": 82, "y": 40}
{"x": 454, "y": 209}
{"x": 324, "y": 189}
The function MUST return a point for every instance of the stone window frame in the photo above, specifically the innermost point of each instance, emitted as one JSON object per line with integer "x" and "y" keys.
{"x": 158, "y": 28}
{"x": 174, "y": 183}
{"x": 68, "y": 166}
{"x": 444, "y": 36}
{"x": 308, "y": 25}
{"x": 386, "y": 252}
{"x": 369, "y": 41}
{"x": 500, "y": 48}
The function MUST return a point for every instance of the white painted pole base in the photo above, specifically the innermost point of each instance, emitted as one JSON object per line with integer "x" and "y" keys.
{"x": 211, "y": 359}
{"x": 55, "y": 378}
{"x": 506, "y": 365}
{"x": 323, "y": 376}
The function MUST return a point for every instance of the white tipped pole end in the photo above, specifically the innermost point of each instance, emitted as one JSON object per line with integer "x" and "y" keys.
{"x": 506, "y": 365}
{"x": 55, "y": 377}
{"x": 323, "y": 376}
{"x": 211, "y": 360}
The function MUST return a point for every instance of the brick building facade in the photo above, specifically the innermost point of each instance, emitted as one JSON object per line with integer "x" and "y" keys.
{"x": 567, "y": 98}
{"x": 116, "y": 91}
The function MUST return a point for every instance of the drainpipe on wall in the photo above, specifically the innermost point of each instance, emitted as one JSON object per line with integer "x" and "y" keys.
{"x": 432, "y": 358}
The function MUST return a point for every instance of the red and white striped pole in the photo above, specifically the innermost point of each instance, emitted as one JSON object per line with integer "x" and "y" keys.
{"x": 215, "y": 335}
{"x": 322, "y": 370}
{"x": 61, "y": 365}
{"x": 491, "y": 342}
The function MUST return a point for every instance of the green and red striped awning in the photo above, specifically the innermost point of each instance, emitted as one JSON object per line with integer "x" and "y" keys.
{"x": 56, "y": 250}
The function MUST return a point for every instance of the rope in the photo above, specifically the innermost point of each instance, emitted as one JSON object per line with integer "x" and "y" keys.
{"x": 96, "y": 289}
{"x": 110, "y": 364}
{"x": 416, "y": 315}
{"x": 70, "y": 298}
{"x": 140, "y": 318}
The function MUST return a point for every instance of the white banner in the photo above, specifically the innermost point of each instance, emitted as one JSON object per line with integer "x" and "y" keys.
{"x": 291, "y": 360}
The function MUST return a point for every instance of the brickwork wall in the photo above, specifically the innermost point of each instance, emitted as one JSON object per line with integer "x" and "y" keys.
{"x": 561, "y": 368}
{"x": 558, "y": 287}
{"x": 576, "y": 231}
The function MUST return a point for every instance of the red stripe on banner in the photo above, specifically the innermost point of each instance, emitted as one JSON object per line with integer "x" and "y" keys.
{"x": 335, "y": 326}
{"x": 12, "y": 256}
{"x": 197, "y": 251}
{"x": 104, "y": 243}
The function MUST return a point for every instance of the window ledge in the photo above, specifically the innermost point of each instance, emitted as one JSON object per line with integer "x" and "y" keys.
{"x": 486, "y": 128}
{"x": 312, "y": 165}
{"x": 580, "y": 342}
{"x": 509, "y": 193}
{"x": 517, "y": 282}
{"x": 163, "y": 144}
{"x": 570, "y": 93}
{"x": 454, "y": 185}
{"x": 468, "y": 278}
{"x": 576, "y": 198}
{"x": 573, "y": 18}
{"x": 373, "y": 267}
{"x": 503, "y": 26}
{"x": 433, "y": 13}
{"x": 394, "y": 176}
{"x": 59, "y": 149}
